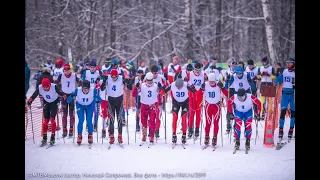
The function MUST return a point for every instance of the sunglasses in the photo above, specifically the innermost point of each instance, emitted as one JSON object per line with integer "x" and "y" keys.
{"x": 45, "y": 87}
{"x": 149, "y": 80}
{"x": 154, "y": 72}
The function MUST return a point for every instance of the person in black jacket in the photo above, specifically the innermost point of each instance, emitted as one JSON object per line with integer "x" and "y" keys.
{"x": 45, "y": 74}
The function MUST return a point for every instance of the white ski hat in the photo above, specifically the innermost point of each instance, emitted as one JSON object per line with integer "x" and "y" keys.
{"x": 149, "y": 76}
{"x": 212, "y": 77}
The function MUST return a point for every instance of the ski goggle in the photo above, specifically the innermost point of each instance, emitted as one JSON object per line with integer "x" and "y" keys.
{"x": 241, "y": 98}
{"x": 197, "y": 70}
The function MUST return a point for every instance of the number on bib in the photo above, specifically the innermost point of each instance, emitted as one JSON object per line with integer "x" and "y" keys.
{"x": 68, "y": 82}
{"x": 287, "y": 79}
{"x": 85, "y": 99}
{"x": 241, "y": 85}
{"x": 48, "y": 97}
{"x": 149, "y": 93}
{"x": 197, "y": 82}
{"x": 180, "y": 94}
{"x": 114, "y": 88}
{"x": 212, "y": 94}
{"x": 92, "y": 80}
{"x": 242, "y": 106}
{"x": 251, "y": 74}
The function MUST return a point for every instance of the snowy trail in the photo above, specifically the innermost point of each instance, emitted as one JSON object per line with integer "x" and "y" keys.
{"x": 261, "y": 163}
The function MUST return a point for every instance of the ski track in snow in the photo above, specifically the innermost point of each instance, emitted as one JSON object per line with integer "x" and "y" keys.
{"x": 261, "y": 162}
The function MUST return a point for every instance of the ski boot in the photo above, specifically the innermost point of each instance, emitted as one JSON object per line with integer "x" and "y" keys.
{"x": 247, "y": 144}
{"x": 190, "y": 132}
{"x": 144, "y": 134}
{"x": 196, "y": 133}
{"x": 290, "y": 133}
{"x": 280, "y": 133}
{"x": 104, "y": 133}
{"x": 71, "y": 132}
{"x": 214, "y": 140}
{"x": 157, "y": 133}
{"x": 151, "y": 139}
{"x": 120, "y": 141}
{"x": 52, "y": 139}
{"x": 111, "y": 141}
{"x": 206, "y": 139}
{"x": 95, "y": 128}
{"x": 183, "y": 138}
{"x": 79, "y": 140}
{"x": 64, "y": 133}
{"x": 237, "y": 144}
{"x": 44, "y": 139}
{"x": 90, "y": 140}
{"x": 174, "y": 138}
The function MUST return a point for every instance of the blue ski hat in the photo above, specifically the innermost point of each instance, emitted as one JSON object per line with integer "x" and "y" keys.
{"x": 114, "y": 61}
{"x": 239, "y": 70}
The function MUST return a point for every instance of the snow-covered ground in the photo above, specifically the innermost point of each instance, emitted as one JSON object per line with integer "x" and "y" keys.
{"x": 160, "y": 160}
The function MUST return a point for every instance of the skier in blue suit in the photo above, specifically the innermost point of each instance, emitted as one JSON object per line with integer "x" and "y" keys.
{"x": 86, "y": 97}
{"x": 287, "y": 79}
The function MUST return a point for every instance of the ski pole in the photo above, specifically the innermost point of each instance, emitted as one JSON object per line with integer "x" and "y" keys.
{"x": 221, "y": 125}
{"x": 165, "y": 121}
{"x": 255, "y": 141}
{"x": 74, "y": 123}
{"x": 201, "y": 124}
{"x": 61, "y": 109}
{"x": 31, "y": 124}
{"x": 97, "y": 117}
{"x": 127, "y": 121}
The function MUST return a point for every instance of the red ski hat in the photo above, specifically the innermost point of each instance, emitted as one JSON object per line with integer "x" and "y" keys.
{"x": 45, "y": 82}
{"x": 66, "y": 67}
{"x": 60, "y": 62}
{"x": 114, "y": 73}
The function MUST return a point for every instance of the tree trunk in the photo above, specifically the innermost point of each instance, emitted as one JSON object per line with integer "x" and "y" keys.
{"x": 189, "y": 32}
{"x": 218, "y": 29}
{"x": 269, "y": 31}
{"x": 112, "y": 26}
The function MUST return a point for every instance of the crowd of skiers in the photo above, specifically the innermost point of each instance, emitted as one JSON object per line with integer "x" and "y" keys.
{"x": 193, "y": 88}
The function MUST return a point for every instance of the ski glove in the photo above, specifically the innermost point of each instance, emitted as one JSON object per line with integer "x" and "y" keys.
{"x": 69, "y": 99}
{"x": 159, "y": 85}
{"x": 202, "y": 86}
{"x": 192, "y": 88}
{"x": 29, "y": 102}
{"x": 257, "y": 117}
{"x": 231, "y": 116}
{"x": 228, "y": 76}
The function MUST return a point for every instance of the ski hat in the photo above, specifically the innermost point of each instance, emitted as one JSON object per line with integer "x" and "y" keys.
{"x": 265, "y": 59}
{"x": 189, "y": 67}
{"x": 212, "y": 77}
{"x": 86, "y": 84}
{"x": 290, "y": 60}
{"x": 59, "y": 62}
{"x": 140, "y": 71}
{"x": 66, "y": 67}
{"x": 239, "y": 70}
{"x": 129, "y": 65}
{"x": 114, "y": 73}
{"x": 45, "y": 82}
{"x": 154, "y": 68}
{"x": 149, "y": 76}
{"x": 179, "y": 83}
{"x": 93, "y": 63}
{"x": 250, "y": 62}
{"x": 197, "y": 66}
{"x": 241, "y": 92}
